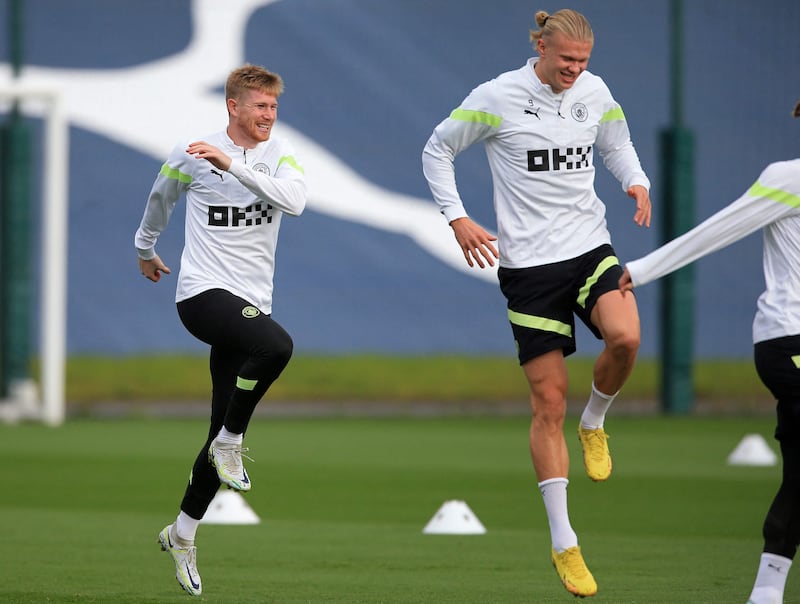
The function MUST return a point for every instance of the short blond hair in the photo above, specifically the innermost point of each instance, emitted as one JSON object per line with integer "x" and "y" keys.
{"x": 569, "y": 22}
{"x": 252, "y": 77}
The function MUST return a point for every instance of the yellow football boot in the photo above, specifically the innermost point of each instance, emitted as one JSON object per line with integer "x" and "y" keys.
{"x": 573, "y": 572}
{"x": 596, "y": 458}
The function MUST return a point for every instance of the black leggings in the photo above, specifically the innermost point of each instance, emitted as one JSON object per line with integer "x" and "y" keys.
{"x": 780, "y": 373}
{"x": 248, "y": 352}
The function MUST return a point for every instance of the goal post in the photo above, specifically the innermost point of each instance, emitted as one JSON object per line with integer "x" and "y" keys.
{"x": 26, "y": 399}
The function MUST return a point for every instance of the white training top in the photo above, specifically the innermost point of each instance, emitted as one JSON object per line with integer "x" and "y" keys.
{"x": 773, "y": 203}
{"x": 540, "y": 148}
{"x": 232, "y": 218}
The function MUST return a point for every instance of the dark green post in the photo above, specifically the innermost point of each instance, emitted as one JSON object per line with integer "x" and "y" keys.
{"x": 677, "y": 217}
{"x": 15, "y": 229}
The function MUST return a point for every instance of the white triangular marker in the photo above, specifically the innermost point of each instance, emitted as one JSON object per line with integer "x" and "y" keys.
{"x": 752, "y": 450}
{"x": 229, "y": 507}
{"x": 454, "y": 518}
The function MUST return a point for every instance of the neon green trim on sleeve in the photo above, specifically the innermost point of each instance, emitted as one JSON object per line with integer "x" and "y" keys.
{"x": 289, "y": 159}
{"x": 243, "y": 384}
{"x": 796, "y": 360}
{"x": 478, "y": 117}
{"x": 613, "y": 115}
{"x": 784, "y": 197}
{"x": 541, "y": 323}
{"x": 606, "y": 264}
{"x": 175, "y": 174}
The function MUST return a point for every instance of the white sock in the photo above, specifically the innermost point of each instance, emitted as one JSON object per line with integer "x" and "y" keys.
{"x": 771, "y": 579}
{"x": 229, "y": 437}
{"x": 594, "y": 414}
{"x": 554, "y": 494}
{"x": 185, "y": 529}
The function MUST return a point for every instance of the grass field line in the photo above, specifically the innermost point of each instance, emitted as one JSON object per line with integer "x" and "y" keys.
{"x": 268, "y": 408}
{"x": 370, "y": 379}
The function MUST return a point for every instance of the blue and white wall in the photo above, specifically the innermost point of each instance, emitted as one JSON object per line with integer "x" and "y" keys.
{"x": 371, "y": 266}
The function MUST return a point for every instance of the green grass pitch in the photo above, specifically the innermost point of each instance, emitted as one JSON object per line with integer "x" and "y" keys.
{"x": 343, "y": 503}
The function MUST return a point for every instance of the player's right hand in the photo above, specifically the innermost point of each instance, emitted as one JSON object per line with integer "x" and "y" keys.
{"x": 153, "y": 268}
{"x": 625, "y": 282}
{"x": 475, "y": 242}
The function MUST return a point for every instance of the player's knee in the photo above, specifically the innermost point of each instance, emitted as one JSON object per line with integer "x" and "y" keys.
{"x": 624, "y": 344}
{"x": 283, "y": 348}
{"x": 273, "y": 351}
{"x": 549, "y": 405}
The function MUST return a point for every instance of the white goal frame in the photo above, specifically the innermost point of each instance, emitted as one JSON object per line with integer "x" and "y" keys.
{"x": 25, "y": 401}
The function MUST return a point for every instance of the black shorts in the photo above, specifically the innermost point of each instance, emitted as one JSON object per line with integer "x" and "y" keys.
{"x": 232, "y": 324}
{"x": 778, "y": 366}
{"x": 543, "y": 300}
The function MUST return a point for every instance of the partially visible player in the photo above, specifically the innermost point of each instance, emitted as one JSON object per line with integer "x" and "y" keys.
{"x": 771, "y": 204}
{"x": 238, "y": 183}
{"x": 544, "y": 126}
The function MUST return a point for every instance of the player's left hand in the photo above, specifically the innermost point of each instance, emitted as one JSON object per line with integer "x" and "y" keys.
{"x": 643, "y": 206}
{"x": 202, "y": 150}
